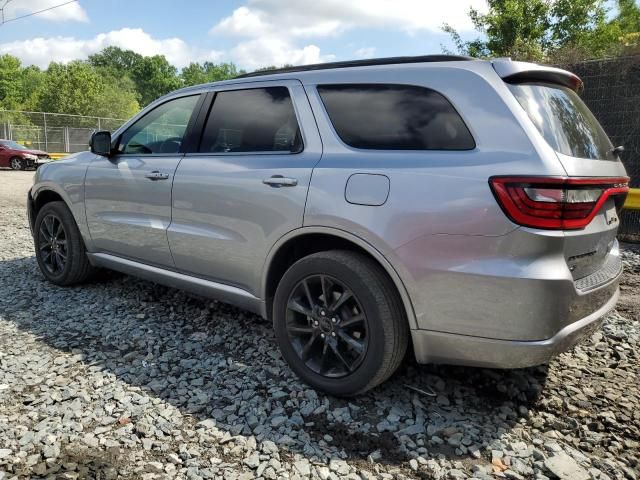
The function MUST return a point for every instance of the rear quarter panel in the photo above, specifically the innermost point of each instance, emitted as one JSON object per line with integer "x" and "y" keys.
{"x": 433, "y": 195}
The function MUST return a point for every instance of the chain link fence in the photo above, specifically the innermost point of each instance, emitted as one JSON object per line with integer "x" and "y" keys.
{"x": 612, "y": 92}
{"x": 53, "y": 132}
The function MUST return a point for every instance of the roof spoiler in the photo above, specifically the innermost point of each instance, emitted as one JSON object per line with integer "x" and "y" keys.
{"x": 515, "y": 72}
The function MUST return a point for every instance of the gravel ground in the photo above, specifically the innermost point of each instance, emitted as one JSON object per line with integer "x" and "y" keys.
{"x": 122, "y": 378}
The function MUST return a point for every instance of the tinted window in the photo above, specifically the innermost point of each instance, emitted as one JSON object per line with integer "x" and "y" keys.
{"x": 255, "y": 120}
{"x": 161, "y": 130}
{"x": 564, "y": 120}
{"x": 394, "y": 117}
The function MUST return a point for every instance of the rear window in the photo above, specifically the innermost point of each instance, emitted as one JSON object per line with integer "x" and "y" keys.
{"x": 564, "y": 120}
{"x": 394, "y": 117}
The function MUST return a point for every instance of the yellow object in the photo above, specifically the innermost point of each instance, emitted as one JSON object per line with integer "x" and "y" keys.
{"x": 58, "y": 156}
{"x": 633, "y": 199}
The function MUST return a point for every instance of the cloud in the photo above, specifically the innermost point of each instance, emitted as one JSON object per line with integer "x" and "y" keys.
{"x": 365, "y": 52}
{"x": 313, "y": 18}
{"x": 275, "y": 32}
{"x": 71, "y": 11}
{"x": 269, "y": 51}
{"x": 40, "y": 51}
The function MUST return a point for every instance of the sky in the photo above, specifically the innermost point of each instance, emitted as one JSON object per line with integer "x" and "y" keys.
{"x": 250, "y": 33}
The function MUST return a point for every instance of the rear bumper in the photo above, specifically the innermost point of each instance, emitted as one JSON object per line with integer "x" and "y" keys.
{"x": 440, "y": 347}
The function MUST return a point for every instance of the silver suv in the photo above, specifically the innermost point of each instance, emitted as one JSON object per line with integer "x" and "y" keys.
{"x": 468, "y": 207}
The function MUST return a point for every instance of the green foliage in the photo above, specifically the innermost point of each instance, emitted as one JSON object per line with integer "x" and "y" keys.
{"x": 117, "y": 60}
{"x": 32, "y": 80}
{"x": 550, "y": 29}
{"x": 197, "y": 73}
{"x": 629, "y": 17}
{"x": 112, "y": 83}
{"x": 80, "y": 89}
{"x": 154, "y": 77}
{"x": 11, "y": 93}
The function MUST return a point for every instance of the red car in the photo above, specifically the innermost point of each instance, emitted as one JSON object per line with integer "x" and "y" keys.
{"x": 19, "y": 157}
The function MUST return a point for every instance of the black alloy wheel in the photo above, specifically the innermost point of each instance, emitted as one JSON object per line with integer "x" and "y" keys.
{"x": 52, "y": 244}
{"x": 327, "y": 326}
{"x": 60, "y": 250}
{"x": 339, "y": 322}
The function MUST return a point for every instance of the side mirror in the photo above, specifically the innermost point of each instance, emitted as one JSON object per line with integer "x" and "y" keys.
{"x": 101, "y": 143}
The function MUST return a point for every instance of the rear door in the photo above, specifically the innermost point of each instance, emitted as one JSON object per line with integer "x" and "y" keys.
{"x": 128, "y": 196}
{"x": 584, "y": 150}
{"x": 247, "y": 186}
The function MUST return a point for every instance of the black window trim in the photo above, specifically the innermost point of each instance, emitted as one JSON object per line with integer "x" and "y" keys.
{"x": 188, "y": 133}
{"x": 205, "y": 112}
{"x": 395, "y": 150}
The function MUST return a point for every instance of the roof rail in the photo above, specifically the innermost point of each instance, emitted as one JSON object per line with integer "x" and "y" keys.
{"x": 360, "y": 63}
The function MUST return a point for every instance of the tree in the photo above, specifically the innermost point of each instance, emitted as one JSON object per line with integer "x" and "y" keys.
{"x": 118, "y": 99}
{"x": 542, "y": 29}
{"x": 628, "y": 18}
{"x": 10, "y": 82}
{"x": 117, "y": 60}
{"x": 32, "y": 79}
{"x": 77, "y": 88}
{"x": 196, "y": 73}
{"x": 153, "y": 76}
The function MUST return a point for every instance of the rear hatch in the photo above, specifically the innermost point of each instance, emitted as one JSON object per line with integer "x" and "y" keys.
{"x": 593, "y": 192}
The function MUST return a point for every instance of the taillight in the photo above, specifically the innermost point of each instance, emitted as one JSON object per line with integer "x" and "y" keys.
{"x": 556, "y": 203}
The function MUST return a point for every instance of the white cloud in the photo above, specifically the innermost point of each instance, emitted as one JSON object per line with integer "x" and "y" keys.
{"x": 71, "y": 11}
{"x": 365, "y": 52}
{"x": 313, "y": 18}
{"x": 268, "y": 51}
{"x": 40, "y": 51}
{"x": 271, "y": 32}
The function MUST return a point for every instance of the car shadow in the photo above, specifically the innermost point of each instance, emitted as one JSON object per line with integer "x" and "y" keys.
{"x": 213, "y": 361}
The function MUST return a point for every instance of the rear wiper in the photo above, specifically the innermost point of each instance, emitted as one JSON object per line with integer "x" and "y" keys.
{"x": 617, "y": 150}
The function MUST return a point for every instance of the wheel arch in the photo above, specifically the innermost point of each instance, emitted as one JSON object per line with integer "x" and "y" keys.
{"x": 307, "y": 240}
{"x": 39, "y": 197}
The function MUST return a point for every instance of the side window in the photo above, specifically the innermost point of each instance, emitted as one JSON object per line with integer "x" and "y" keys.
{"x": 394, "y": 117}
{"x": 161, "y": 130}
{"x": 252, "y": 120}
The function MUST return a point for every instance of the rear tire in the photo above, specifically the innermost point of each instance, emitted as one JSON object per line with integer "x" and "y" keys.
{"x": 347, "y": 331}
{"x": 16, "y": 163}
{"x": 60, "y": 250}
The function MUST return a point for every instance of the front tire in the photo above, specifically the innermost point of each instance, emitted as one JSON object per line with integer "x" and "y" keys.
{"x": 16, "y": 163}
{"x": 339, "y": 322}
{"x": 60, "y": 250}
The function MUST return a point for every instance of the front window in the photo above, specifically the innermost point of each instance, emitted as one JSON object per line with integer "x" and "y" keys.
{"x": 564, "y": 120}
{"x": 161, "y": 130}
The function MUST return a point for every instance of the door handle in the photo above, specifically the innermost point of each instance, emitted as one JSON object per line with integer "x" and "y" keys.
{"x": 280, "y": 181}
{"x": 156, "y": 175}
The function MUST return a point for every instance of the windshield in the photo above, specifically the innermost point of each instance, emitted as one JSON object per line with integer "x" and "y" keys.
{"x": 564, "y": 120}
{"x": 13, "y": 145}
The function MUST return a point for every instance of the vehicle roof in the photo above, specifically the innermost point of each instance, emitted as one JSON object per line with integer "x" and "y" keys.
{"x": 360, "y": 63}
{"x": 508, "y": 70}
{"x": 308, "y": 70}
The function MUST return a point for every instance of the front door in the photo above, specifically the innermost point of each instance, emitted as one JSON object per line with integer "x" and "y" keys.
{"x": 128, "y": 196}
{"x": 248, "y": 184}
